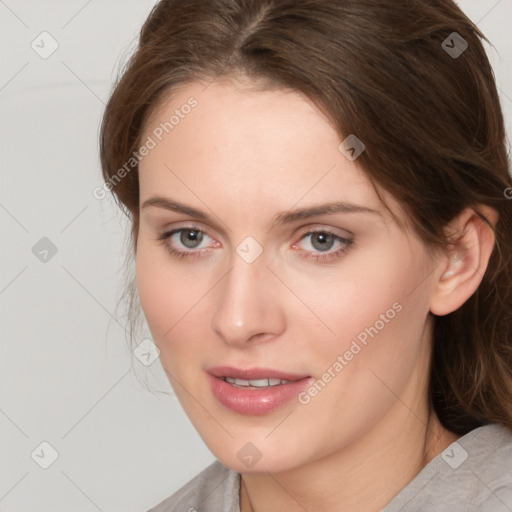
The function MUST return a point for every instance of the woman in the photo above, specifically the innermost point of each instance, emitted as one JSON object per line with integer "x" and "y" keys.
{"x": 321, "y": 225}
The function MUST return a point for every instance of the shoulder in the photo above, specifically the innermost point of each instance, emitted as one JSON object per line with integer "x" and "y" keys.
{"x": 485, "y": 451}
{"x": 216, "y": 488}
{"x": 489, "y": 457}
{"x": 472, "y": 474}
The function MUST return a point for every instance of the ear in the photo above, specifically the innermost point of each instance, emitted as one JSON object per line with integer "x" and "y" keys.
{"x": 462, "y": 267}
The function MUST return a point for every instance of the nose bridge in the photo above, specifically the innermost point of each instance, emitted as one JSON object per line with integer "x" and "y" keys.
{"x": 245, "y": 307}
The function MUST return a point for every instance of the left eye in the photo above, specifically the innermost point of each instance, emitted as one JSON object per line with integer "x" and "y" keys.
{"x": 322, "y": 241}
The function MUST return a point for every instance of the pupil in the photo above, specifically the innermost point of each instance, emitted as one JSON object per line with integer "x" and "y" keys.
{"x": 322, "y": 241}
{"x": 191, "y": 238}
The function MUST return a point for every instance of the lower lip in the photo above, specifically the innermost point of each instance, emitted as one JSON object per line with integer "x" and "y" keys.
{"x": 255, "y": 402}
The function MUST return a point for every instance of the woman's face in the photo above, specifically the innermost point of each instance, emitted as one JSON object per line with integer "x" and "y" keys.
{"x": 276, "y": 256}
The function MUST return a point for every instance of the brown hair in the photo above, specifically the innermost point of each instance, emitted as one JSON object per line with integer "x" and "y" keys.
{"x": 431, "y": 122}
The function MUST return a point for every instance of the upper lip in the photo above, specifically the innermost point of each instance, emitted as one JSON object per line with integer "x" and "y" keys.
{"x": 253, "y": 373}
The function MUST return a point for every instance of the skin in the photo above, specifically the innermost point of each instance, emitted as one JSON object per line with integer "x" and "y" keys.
{"x": 242, "y": 156}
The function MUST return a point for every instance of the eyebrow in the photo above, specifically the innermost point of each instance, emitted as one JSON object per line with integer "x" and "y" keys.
{"x": 174, "y": 206}
{"x": 323, "y": 209}
{"x": 286, "y": 217}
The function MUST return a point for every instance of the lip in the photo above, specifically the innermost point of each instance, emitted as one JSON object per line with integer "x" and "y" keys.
{"x": 255, "y": 402}
{"x": 253, "y": 373}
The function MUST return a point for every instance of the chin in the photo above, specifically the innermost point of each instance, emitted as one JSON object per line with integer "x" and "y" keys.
{"x": 255, "y": 454}
{"x": 263, "y": 465}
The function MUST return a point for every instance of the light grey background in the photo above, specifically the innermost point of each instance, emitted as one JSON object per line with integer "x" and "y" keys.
{"x": 67, "y": 377}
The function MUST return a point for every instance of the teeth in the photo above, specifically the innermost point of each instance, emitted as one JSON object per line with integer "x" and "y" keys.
{"x": 256, "y": 383}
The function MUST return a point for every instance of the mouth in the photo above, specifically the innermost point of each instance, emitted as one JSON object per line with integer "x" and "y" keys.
{"x": 255, "y": 391}
{"x": 254, "y": 374}
{"x": 255, "y": 383}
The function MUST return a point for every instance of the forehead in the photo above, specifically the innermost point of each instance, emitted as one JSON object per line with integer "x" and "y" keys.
{"x": 249, "y": 150}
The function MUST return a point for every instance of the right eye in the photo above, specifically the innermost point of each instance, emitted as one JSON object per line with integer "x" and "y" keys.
{"x": 186, "y": 242}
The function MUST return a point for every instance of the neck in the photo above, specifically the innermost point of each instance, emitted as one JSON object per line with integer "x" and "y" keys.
{"x": 364, "y": 476}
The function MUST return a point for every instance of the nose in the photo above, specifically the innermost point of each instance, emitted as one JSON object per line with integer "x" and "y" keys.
{"x": 248, "y": 309}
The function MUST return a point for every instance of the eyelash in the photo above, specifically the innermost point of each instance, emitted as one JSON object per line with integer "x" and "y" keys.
{"x": 326, "y": 256}
{"x": 164, "y": 237}
{"x": 317, "y": 256}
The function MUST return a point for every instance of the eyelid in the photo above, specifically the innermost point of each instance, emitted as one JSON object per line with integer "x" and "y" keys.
{"x": 329, "y": 256}
{"x": 168, "y": 235}
{"x": 302, "y": 232}
{"x": 322, "y": 228}
{"x": 160, "y": 218}
{"x": 164, "y": 237}
{"x": 342, "y": 240}
{"x": 183, "y": 225}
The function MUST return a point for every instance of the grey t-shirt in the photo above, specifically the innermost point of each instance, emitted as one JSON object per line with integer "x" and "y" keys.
{"x": 473, "y": 474}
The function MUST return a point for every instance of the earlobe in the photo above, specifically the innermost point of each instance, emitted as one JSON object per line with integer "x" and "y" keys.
{"x": 462, "y": 267}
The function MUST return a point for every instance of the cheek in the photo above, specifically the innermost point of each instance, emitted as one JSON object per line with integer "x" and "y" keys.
{"x": 378, "y": 316}
{"x": 156, "y": 301}
{"x": 370, "y": 288}
{"x": 373, "y": 315}
{"x": 169, "y": 298}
